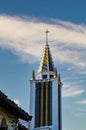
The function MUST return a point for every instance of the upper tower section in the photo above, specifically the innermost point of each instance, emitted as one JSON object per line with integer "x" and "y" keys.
{"x": 46, "y": 68}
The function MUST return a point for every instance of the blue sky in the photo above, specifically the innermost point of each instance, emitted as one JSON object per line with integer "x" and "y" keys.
{"x": 22, "y": 40}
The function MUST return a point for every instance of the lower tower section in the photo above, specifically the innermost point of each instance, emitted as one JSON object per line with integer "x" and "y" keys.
{"x": 45, "y": 104}
{"x": 43, "y": 101}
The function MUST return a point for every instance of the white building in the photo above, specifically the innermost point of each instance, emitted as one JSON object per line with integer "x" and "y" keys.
{"x": 10, "y": 113}
{"x": 45, "y": 94}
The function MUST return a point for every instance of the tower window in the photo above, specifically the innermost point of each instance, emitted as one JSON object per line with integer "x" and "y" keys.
{"x": 44, "y": 76}
{"x": 51, "y": 76}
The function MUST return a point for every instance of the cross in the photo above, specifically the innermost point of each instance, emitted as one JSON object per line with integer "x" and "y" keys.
{"x": 47, "y": 36}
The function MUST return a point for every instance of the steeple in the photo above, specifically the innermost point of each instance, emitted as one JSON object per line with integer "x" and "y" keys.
{"x": 46, "y": 67}
{"x": 45, "y": 94}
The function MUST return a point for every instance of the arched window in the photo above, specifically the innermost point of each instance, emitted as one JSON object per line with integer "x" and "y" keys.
{"x": 3, "y": 124}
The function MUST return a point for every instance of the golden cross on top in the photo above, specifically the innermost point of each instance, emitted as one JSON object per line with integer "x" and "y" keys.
{"x": 47, "y": 36}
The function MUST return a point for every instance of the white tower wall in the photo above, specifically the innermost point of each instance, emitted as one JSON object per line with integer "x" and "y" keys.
{"x": 32, "y": 103}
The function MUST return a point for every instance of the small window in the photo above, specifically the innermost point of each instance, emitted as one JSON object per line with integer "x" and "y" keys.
{"x": 51, "y": 76}
{"x": 44, "y": 76}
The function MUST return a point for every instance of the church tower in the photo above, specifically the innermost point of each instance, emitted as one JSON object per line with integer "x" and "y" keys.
{"x": 45, "y": 94}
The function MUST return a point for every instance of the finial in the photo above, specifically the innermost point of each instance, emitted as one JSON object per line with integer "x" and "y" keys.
{"x": 59, "y": 81}
{"x": 47, "y": 36}
{"x": 55, "y": 72}
{"x": 33, "y": 75}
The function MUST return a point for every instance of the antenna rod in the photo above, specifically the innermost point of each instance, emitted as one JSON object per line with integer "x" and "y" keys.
{"x": 47, "y": 36}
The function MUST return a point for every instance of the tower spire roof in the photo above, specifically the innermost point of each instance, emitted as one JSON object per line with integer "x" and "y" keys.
{"x": 46, "y": 66}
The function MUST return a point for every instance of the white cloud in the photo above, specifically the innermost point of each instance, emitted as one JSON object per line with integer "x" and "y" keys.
{"x": 71, "y": 90}
{"x": 67, "y": 129}
{"x": 79, "y": 112}
{"x": 25, "y": 37}
{"x": 17, "y": 101}
{"x": 71, "y": 68}
{"x": 81, "y": 102}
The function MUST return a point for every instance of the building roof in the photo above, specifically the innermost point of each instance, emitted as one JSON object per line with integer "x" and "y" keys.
{"x": 46, "y": 62}
{"x": 13, "y": 108}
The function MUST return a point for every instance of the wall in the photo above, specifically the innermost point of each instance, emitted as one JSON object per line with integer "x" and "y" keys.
{"x": 55, "y": 119}
{"x": 10, "y": 119}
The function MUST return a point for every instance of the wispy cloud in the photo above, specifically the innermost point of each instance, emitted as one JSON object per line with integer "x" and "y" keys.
{"x": 71, "y": 90}
{"x": 67, "y": 129}
{"x": 81, "y": 102}
{"x": 78, "y": 112}
{"x": 25, "y": 37}
{"x": 17, "y": 101}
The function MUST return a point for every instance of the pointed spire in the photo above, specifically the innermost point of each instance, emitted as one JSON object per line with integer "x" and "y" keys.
{"x": 46, "y": 66}
{"x": 33, "y": 75}
{"x": 55, "y": 72}
{"x": 59, "y": 81}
